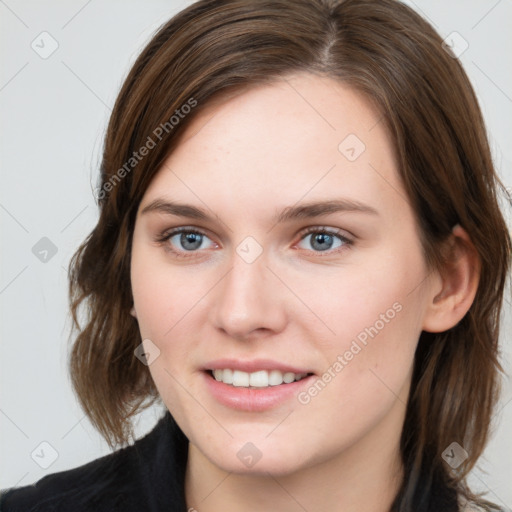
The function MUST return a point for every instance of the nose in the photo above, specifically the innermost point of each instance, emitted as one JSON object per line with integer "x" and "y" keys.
{"x": 249, "y": 301}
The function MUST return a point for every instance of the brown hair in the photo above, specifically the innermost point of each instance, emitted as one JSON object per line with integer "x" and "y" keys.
{"x": 383, "y": 49}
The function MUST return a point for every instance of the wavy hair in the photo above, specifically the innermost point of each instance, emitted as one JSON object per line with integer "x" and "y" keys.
{"x": 391, "y": 55}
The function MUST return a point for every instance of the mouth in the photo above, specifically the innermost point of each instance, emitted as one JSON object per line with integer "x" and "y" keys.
{"x": 254, "y": 386}
{"x": 259, "y": 379}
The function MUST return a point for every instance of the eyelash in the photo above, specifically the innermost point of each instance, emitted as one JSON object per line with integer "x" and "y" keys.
{"x": 167, "y": 235}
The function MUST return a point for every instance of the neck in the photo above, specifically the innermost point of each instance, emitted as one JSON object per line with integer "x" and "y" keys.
{"x": 366, "y": 476}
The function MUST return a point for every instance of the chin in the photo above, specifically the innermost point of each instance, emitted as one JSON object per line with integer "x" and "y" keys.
{"x": 259, "y": 458}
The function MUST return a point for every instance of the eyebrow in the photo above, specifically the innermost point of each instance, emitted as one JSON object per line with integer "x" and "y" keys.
{"x": 303, "y": 211}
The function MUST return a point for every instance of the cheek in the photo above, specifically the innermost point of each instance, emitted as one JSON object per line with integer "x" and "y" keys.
{"x": 374, "y": 318}
{"x": 161, "y": 292}
{"x": 368, "y": 364}
{"x": 366, "y": 299}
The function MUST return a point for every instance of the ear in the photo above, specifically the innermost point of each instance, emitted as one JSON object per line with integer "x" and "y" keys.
{"x": 456, "y": 284}
{"x": 133, "y": 312}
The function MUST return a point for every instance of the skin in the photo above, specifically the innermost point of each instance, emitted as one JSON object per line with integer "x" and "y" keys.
{"x": 243, "y": 160}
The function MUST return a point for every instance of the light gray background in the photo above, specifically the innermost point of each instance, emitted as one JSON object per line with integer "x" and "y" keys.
{"x": 54, "y": 114}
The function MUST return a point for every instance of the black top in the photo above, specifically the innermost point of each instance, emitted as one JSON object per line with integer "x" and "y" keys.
{"x": 148, "y": 476}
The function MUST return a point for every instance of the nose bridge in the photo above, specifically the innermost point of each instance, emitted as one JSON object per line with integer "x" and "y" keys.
{"x": 247, "y": 298}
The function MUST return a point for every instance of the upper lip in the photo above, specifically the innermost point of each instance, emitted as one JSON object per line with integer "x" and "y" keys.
{"x": 253, "y": 365}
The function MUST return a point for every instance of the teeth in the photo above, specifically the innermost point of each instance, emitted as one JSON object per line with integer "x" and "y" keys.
{"x": 275, "y": 377}
{"x": 227, "y": 376}
{"x": 259, "y": 379}
{"x": 240, "y": 379}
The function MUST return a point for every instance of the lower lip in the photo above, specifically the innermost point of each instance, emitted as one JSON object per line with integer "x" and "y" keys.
{"x": 253, "y": 399}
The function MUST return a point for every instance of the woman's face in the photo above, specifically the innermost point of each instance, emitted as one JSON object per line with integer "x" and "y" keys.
{"x": 300, "y": 254}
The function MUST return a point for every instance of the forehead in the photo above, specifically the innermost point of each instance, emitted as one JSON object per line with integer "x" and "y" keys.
{"x": 300, "y": 137}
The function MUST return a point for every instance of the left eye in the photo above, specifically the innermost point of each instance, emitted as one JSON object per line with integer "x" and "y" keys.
{"x": 324, "y": 240}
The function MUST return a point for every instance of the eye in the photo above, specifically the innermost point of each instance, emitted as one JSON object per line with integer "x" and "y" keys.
{"x": 324, "y": 239}
{"x": 183, "y": 240}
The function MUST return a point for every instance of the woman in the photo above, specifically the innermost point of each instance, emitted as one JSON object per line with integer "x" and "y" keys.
{"x": 300, "y": 254}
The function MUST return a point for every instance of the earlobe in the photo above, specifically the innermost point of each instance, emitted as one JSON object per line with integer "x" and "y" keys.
{"x": 133, "y": 312}
{"x": 459, "y": 277}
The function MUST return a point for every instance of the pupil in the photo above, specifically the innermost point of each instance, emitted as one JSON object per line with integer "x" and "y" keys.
{"x": 322, "y": 238}
{"x": 192, "y": 238}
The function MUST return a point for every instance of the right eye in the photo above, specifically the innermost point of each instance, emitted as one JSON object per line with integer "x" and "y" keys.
{"x": 179, "y": 241}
